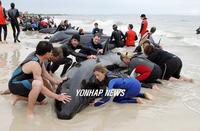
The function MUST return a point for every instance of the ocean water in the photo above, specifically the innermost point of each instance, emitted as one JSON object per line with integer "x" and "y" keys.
{"x": 179, "y": 28}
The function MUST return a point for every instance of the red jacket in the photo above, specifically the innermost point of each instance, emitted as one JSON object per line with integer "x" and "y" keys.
{"x": 144, "y": 27}
{"x": 131, "y": 36}
{"x": 2, "y": 16}
{"x": 43, "y": 23}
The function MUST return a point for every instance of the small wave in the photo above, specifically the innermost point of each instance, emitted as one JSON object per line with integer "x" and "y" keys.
{"x": 193, "y": 104}
{"x": 171, "y": 35}
{"x": 174, "y": 36}
{"x": 191, "y": 41}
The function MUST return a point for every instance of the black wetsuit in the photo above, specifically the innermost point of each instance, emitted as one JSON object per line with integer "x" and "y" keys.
{"x": 60, "y": 28}
{"x": 21, "y": 83}
{"x": 169, "y": 63}
{"x": 117, "y": 38}
{"x": 92, "y": 46}
{"x": 69, "y": 49}
{"x": 95, "y": 30}
{"x": 13, "y": 15}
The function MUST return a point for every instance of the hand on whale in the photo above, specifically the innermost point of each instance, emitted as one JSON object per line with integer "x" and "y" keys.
{"x": 63, "y": 97}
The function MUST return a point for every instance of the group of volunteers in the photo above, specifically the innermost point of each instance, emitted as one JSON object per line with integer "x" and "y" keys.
{"x": 148, "y": 64}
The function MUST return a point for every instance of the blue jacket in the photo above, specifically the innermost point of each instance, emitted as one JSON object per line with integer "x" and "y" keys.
{"x": 93, "y": 46}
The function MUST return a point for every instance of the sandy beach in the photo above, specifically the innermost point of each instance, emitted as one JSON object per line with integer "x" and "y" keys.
{"x": 176, "y": 106}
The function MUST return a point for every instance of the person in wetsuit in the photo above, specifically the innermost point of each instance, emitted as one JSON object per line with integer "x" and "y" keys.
{"x": 96, "y": 29}
{"x": 62, "y": 26}
{"x": 69, "y": 49}
{"x": 169, "y": 63}
{"x": 143, "y": 69}
{"x": 117, "y": 37}
{"x": 13, "y": 15}
{"x": 3, "y": 25}
{"x": 56, "y": 54}
{"x": 26, "y": 82}
{"x": 130, "y": 85}
{"x": 93, "y": 44}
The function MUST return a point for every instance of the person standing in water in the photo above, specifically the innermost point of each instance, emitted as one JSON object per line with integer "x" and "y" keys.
{"x": 13, "y": 14}
{"x": 144, "y": 25}
{"x": 3, "y": 17}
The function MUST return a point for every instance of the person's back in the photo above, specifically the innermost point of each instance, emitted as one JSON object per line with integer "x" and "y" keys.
{"x": 140, "y": 63}
{"x": 160, "y": 56}
{"x": 13, "y": 15}
{"x": 117, "y": 37}
{"x": 131, "y": 36}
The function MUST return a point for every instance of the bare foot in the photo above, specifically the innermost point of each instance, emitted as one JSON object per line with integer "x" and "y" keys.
{"x": 30, "y": 114}
{"x": 6, "y": 92}
{"x": 5, "y": 42}
{"x": 140, "y": 101}
{"x": 148, "y": 96}
{"x": 155, "y": 87}
{"x": 190, "y": 80}
{"x": 15, "y": 99}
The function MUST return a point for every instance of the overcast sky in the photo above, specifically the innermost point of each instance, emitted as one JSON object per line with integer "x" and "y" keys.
{"x": 183, "y": 7}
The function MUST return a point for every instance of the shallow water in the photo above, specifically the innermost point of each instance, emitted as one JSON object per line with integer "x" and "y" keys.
{"x": 176, "y": 106}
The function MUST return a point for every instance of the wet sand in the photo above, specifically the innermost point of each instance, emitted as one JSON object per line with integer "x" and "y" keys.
{"x": 176, "y": 106}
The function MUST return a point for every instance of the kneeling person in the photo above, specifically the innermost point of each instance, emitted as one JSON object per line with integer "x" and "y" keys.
{"x": 26, "y": 82}
{"x": 130, "y": 85}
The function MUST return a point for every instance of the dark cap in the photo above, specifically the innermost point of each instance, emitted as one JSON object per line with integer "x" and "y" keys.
{"x": 76, "y": 36}
{"x": 114, "y": 26}
{"x": 143, "y": 15}
{"x": 12, "y": 5}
